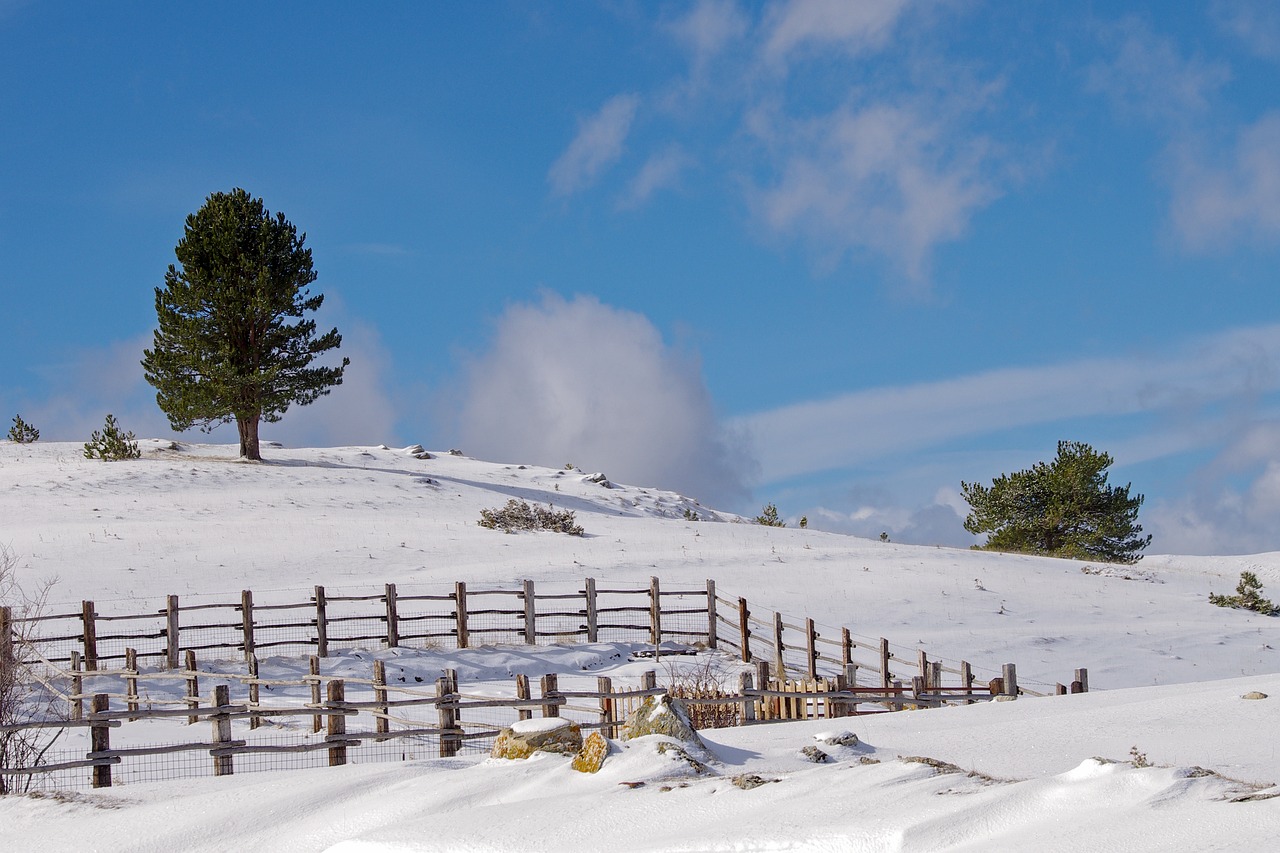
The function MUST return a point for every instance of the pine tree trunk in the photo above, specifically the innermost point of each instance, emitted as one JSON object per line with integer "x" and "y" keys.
{"x": 248, "y": 427}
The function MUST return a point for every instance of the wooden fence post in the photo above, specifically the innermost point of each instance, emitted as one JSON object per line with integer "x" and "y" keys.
{"x": 460, "y": 613}
{"x": 131, "y": 680}
{"x": 767, "y": 703}
{"x": 1082, "y": 679}
{"x": 935, "y": 674}
{"x": 655, "y": 612}
{"x": 89, "y": 617}
{"x": 322, "y": 623}
{"x": 604, "y": 684}
{"x": 223, "y": 765}
{"x": 922, "y": 661}
{"x": 172, "y": 636}
{"x": 77, "y": 688}
{"x": 778, "y": 648}
{"x": 7, "y": 655}
{"x": 100, "y": 740}
{"x": 246, "y": 616}
{"x": 648, "y": 680}
{"x": 1060, "y": 689}
{"x": 1010, "y": 676}
{"x": 744, "y": 626}
{"x": 522, "y": 693}
{"x": 313, "y": 666}
{"x": 885, "y": 675}
{"x": 193, "y": 685}
{"x": 966, "y": 679}
{"x": 530, "y": 614}
{"x": 550, "y": 691}
{"x": 255, "y": 693}
{"x": 382, "y": 725}
{"x": 748, "y": 714}
{"x": 337, "y": 694}
{"x": 448, "y": 717}
{"x": 811, "y": 639}
{"x": 393, "y": 618}
{"x": 712, "y": 630}
{"x": 593, "y": 615}
{"x": 846, "y": 646}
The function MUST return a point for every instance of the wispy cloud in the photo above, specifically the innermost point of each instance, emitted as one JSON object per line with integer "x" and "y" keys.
{"x": 579, "y": 381}
{"x": 708, "y": 29}
{"x": 660, "y": 171}
{"x": 883, "y": 177}
{"x": 852, "y": 27}
{"x": 597, "y": 145}
{"x": 1256, "y": 23}
{"x": 857, "y": 428}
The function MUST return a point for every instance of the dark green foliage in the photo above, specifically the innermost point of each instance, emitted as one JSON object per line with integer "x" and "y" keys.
{"x": 111, "y": 444}
{"x": 224, "y": 348}
{"x": 1062, "y": 509}
{"x": 1248, "y": 597}
{"x": 691, "y": 515}
{"x": 518, "y": 515}
{"x": 22, "y": 432}
{"x": 769, "y": 517}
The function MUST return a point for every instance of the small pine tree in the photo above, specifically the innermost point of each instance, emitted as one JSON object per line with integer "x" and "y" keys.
{"x": 111, "y": 445}
{"x": 1248, "y": 597}
{"x": 769, "y": 517}
{"x": 22, "y": 432}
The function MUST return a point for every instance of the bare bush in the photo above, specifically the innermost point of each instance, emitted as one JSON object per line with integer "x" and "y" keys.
{"x": 703, "y": 681}
{"x": 519, "y": 515}
{"x": 24, "y": 693}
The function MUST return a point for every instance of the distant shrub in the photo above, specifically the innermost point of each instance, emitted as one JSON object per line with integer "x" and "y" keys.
{"x": 691, "y": 515}
{"x": 1248, "y": 597}
{"x": 519, "y": 515}
{"x": 111, "y": 444}
{"x": 769, "y": 517}
{"x": 22, "y": 432}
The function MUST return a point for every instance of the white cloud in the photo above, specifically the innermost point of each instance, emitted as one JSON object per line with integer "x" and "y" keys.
{"x": 883, "y": 177}
{"x": 858, "y": 428}
{"x": 578, "y": 381}
{"x": 1230, "y": 197}
{"x": 1148, "y": 76}
{"x": 661, "y": 171}
{"x": 1256, "y": 23}
{"x": 853, "y": 26}
{"x": 710, "y": 27}
{"x": 597, "y": 146}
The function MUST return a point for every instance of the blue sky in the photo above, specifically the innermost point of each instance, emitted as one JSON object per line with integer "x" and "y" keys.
{"x": 831, "y": 254}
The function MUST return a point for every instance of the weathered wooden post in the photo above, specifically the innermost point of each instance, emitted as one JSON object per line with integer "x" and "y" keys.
{"x": 522, "y": 693}
{"x": 649, "y": 680}
{"x": 811, "y": 638}
{"x": 966, "y": 680}
{"x": 1060, "y": 689}
{"x": 530, "y": 614}
{"x": 918, "y": 687}
{"x": 935, "y": 675}
{"x": 322, "y": 623}
{"x": 922, "y": 661}
{"x": 748, "y": 714}
{"x": 7, "y": 656}
{"x": 885, "y": 675}
{"x": 768, "y": 704}
{"x": 89, "y": 617}
{"x": 172, "y": 637}
{"x": 1081, "y": 679}
{"x": 255, "y": 694}
{"x": 744, "y": 625}
{"x": 193, "y": 686}
{"x": 593, "y": 615}
{"x": 337, "y": 694}
{"x": 131, "y": 680}
{"x": 77, "y": 688}
{"x": 1010, "y": 676}
{"x": 778, "y": 647}
{"x": 712, "y": 629}
{"x": 382, "y": 724}
{"x": 846, "y": 646}
{"x": 246, "y": 621}
{"x": 313, "y": 666}
{"x": 549, "y": 694}
{"x": 655, "y": 613}
{"x": 447, "y": 696}
{"x": 223, "y": 764}
{"x": 604, "y": 684}
{"x": 393, "y": 617}
{"x": 100, "y": 740}
{"x": 460, "y": 613}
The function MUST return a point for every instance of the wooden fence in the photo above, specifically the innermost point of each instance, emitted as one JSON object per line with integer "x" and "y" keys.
{"x": 89, "y": 639}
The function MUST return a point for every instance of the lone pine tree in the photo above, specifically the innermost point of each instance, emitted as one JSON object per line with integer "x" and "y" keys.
{"x": 1063, "y": 509}
{"x": 225, "y": 347}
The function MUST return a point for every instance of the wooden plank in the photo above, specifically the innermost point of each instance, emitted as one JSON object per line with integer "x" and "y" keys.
{"x": 530, "y": 614}
{"x": 460, "y": 613}
{"x": 549, "y": 684}
{"x": 254, "y": 692}
{"x": 87, "y": 614}
{"x": 313, "y": 667}
{"x": 77, "y": 687}
{"x": 1010, "y": 675}
{"x": 172, "y": 638}
{"x": 522, "y": 693}
{"x": 1082, "y": 678}
{"x": 885, "y": 675}
{"x": 448, "y": 718}
{"x": 246, "y": 616}
{"x": 778, "y": 648}
{"x": 382, "y": 724}
{"x": 223, "y": 765}
{"x": 193, "y": 685}
{"x": 131, "y": 680}
{"x": 100, "y": 741}
{"x": 655, "y": 611}
{"x": 711, "y": 614}
{"x": 393, "y": 618}
{"x": 604, "y": 684}
{"x": 322, "y": 623}
{"x": 811, "y": 635}
{"x": 744, "y": 627}
{"x": 337, "y": 725}
{"x": 593, "y": 616}
{"x": 748, "y": 713}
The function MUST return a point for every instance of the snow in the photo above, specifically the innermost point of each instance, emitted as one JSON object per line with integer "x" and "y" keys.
{"x": 537, "y": 725}
{"x": 1168, "y": 670}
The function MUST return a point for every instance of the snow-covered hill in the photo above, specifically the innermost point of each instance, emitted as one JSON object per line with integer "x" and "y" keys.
{"x": 193, "y": 520}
